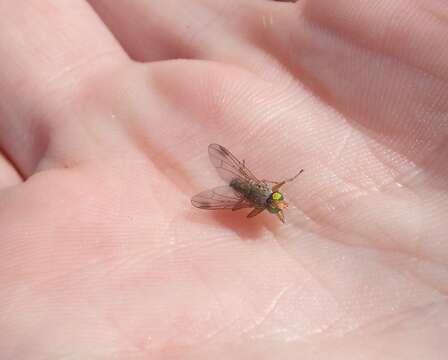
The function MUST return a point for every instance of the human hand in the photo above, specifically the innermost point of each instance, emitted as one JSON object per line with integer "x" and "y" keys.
{"x": 102, "y": 255}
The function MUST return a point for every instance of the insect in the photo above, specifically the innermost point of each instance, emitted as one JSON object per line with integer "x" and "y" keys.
{"x": 244, "y": 190}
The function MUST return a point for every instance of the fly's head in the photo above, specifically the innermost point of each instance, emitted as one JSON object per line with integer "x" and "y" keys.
{"x": 276, "y": 203}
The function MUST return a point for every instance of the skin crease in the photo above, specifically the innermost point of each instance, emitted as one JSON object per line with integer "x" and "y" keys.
{"x": 106, "y": 111}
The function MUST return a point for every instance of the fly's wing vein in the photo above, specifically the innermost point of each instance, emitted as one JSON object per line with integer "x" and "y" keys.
{"x": 222, "y": 197}
{"x": 228, "y": 166}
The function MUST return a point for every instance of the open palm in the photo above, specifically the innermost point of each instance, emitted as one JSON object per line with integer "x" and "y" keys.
{"x": 102, "y": 255}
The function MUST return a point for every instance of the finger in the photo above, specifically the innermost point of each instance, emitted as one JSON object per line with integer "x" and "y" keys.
{"x": 8, "y": 174}
{"x": 383, "y": 66}
{"x": 215, "y": 30}
{"x": 47, "y": 48}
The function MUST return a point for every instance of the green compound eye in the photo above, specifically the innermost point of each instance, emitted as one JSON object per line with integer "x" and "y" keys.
{"x": 277, "y": 196}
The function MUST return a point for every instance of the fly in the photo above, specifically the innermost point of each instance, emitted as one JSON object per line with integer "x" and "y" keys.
{"x": 243, "y": 189}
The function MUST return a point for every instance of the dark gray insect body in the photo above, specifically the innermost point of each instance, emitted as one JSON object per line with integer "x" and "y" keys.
{"x": 257, "y": 193}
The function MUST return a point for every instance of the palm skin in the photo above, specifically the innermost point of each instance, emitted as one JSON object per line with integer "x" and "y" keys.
{"x": 102, "y": 255}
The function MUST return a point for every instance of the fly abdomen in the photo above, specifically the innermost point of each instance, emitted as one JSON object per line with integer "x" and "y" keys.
{"x": 243, "y": 187}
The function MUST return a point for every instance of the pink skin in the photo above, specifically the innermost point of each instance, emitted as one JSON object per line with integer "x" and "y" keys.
{"x": 102, "y": 255}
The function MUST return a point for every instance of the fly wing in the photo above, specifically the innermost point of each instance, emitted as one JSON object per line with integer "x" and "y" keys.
{"x": 222, "y": 197}
{"x": 227, "y": 165}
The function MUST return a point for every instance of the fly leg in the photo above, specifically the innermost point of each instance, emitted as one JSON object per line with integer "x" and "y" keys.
{"x": 281, "y": 216}
{"x": 278, "y": 184}
{"x": 269, "y": 181}
{"x": 255, "y": 212}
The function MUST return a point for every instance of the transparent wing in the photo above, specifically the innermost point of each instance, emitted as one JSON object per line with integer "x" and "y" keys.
{"x": 227, "y": 165}
{"x": 222, "y": 197}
